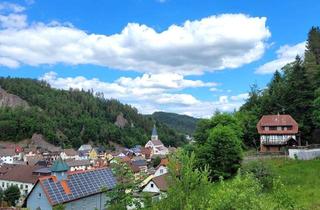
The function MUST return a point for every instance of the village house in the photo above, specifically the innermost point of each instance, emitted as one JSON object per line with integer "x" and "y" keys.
{"x": 156, "y": 186}
{"x": 69, "y": 154}
{"x": 141, "y": 164}
{"x": 22, "y": 176}
{"x": 8, "y": 156}
{"x": 74, "y": 190}
{"x": 146, "y": 153}
{"x": 93, "y": 155}
{"x": 85, "y": 147}
{"x": 78, "y": 165}
{"x": 277, "y": 132}
{"x": 162, "y": 168}
{"x": 84, "y": 151}
{"x": 156, "y": 145}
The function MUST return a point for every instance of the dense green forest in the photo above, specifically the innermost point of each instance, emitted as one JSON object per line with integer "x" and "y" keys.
{"x": 182, "y": 123}
{"x": 294, "y": 90}
{"x": 71, "y": 118}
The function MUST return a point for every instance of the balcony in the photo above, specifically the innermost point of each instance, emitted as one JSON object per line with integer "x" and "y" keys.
{"x": 274, "y": 142}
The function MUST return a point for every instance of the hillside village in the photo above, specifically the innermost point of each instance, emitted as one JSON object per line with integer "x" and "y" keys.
{"x": 48, "y": 176}
{"x": 27, "y": 166}
{"x": 159, "y": 105}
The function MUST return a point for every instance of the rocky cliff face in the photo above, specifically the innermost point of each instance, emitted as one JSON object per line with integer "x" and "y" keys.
{"x": 121, "y": 122}
{"x": 10, "y": 100}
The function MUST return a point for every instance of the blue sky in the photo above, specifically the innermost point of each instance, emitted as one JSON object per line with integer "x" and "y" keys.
{"x": 189, "y": 57}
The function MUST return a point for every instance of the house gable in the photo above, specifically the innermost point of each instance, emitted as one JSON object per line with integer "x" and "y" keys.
{"x": 151, "y": 187}
{"x": 37, "y": 199}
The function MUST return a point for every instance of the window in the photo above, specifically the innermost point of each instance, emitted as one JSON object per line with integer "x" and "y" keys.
{"x": 2, "y": 184}
{"x": 273, "y": 128}
{"x": 26, "y": 186}
{"x": 152, "y": 185}
{"x": 161, "y": 171}
{"x": 21, "y": 186}
{"x": 39, "y": 195}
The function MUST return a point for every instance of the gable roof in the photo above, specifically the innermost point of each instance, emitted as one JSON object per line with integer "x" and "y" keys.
{"x": 7, "y": 152}
{"x": 85, "y": 147}
{"x": 74, "y": 163}
{"x": 139, "y": 162}
{"x": 19, "y": 173}
{"x": 78, "y": 185}
{"x": 157, "y": 143}
{"x": 163, "y": 162}
{"x": 277, "y": 120}
{"x": 161, "y": 182}
{"x": 70, "y": 152}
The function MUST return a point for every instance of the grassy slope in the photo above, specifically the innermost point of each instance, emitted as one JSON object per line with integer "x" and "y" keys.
{"x": 302, "y": 180}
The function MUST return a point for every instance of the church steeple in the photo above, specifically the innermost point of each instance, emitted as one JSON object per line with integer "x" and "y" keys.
{"x": 154, "y": 135}
{"x": 59, "y": 168}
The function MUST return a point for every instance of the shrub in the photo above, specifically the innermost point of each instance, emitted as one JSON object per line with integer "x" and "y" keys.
{"x": 262, "y": 171}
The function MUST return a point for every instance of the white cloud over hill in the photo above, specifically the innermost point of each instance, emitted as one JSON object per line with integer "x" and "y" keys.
{"x": 285, "y": 54}
{"x": 150, "y": 93}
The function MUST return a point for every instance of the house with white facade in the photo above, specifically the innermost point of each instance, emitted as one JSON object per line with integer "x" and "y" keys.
{"x": 69, "y": 154}
{"x": 8, "y": 156}
{"x": 157, "y": 186}
{"x": 156, "y": 145}
{"x": 22, "y": 176}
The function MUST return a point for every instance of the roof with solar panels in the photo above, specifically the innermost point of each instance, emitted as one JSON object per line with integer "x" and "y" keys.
{"x": 77, "y": 185}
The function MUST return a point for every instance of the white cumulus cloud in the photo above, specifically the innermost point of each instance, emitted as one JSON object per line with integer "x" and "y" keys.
{"x": 208, "y": 44}
{"x": 285, "y": 55}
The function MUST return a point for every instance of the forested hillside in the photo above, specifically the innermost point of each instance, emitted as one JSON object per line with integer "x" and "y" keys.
{"x": 294, "y": 90}
{"x": 71, "y": 118}
{"x": 182, "y": 123}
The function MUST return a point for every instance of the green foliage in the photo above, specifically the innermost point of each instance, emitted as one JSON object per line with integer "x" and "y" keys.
{"x": 71, "y": 118}
{"x": 156, "y": 161}
{"x": 241, "y": 193}
{"x": 190, "y": 189}
{"x": 289, "y": 92}
{"x": 123, "y": 194}
{"x": 222, "y": 152}
{"x": 262, "y": 172}
{"x": 299, "y": 179}
{"x": 293, "y": 90}
{"x": 201, "y": 133}
{"x": 59, "y": 207}
{"x": 189, "y": 186}
{"x": 182, "y": 123}
{"x": 12, "y": 195}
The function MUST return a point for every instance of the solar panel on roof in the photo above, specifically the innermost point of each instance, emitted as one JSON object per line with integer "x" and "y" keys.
{"x": 80, "y": 185}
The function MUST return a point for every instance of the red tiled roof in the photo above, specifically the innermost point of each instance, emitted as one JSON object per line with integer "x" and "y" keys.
{"x": 146, "y": 151}
{"x": 277, "y": 120}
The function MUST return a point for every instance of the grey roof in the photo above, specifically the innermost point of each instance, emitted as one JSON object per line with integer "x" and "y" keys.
{"x": 85, "y": 147}
{"x": 73, "y": 163}
{"x": 77, "y": 185}
{"x": 44, "y": 170}
{"x": 139, "y": 162}
{"x": 154, "y": 131}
